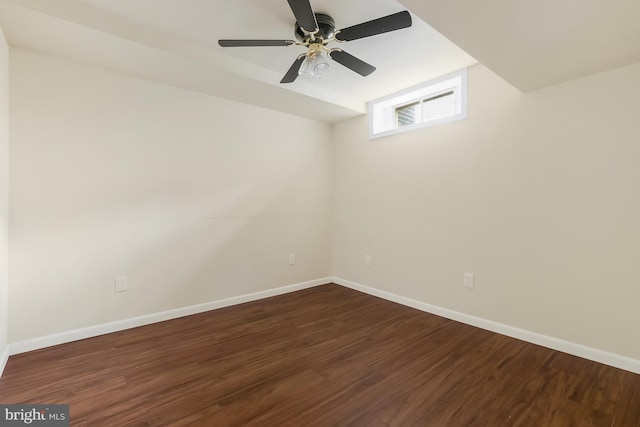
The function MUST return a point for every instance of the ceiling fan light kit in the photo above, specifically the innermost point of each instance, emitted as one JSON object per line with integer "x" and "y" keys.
{"x": 315, "y": 64}
{"x": 314, "y": 31}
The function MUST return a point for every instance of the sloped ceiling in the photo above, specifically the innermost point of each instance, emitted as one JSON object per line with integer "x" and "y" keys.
{"x": 533, "y": 44}
{"x": 529, "y": 44}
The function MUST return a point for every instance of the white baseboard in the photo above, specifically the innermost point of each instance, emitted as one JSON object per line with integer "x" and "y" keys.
{"x": 93, "y": 331}
{"x": 4, "y": 357}
{"x": 611, "y": 359}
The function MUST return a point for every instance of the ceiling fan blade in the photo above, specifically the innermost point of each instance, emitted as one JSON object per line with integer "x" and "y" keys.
{"x": 385, "y": 24}
{"x": 351, "y": 62}
{"x": 254, "y": 43}
{"x": 292, "y": 74}
{"x": 304, "y": 14}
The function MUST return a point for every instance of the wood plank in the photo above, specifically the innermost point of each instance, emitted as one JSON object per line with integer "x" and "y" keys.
{"x": 326, "y": 356}
{"x": 628, "y": 410}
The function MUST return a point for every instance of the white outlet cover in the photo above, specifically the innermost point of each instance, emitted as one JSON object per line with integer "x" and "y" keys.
{"x": 122, "y": 284}
{"x": 292, "y": 259}
{"x": 468, "y": 280}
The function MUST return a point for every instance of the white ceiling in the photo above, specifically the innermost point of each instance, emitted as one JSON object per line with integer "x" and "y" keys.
{"x": 529, "y": 44}
{"x": 533, "y": 44}
{"x": 175, "y": 42}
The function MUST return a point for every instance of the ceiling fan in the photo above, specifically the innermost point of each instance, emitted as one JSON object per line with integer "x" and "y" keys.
{"x": 315, "y": 30}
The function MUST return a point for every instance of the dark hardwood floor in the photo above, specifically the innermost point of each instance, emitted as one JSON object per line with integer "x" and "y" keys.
{"x": 326, "y": 356}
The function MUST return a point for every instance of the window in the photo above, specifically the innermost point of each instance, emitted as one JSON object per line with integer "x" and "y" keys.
{"x": 431, "y": 108}
{"x": 438, "y": 101}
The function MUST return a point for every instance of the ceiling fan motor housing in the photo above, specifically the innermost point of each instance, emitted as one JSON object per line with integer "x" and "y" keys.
{"x": 326, "y": 28}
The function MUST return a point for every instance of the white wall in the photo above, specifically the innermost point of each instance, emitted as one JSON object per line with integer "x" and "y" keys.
{"x": 537, "y": 194}
{"x": 195, "y": 198}
{"x": 4, "y": 193}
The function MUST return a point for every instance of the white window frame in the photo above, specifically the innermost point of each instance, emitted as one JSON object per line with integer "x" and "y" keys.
{"x": 382, "y": 111}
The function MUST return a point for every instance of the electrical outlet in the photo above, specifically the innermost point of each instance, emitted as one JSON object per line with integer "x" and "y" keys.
{"x": 468, "y": 280}
{"x": 292, "y": 259}
{"x": 122, "y": 284}
{"x": 367, "y": 260}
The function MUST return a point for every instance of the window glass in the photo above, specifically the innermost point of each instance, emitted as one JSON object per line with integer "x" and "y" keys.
{"x": 435, "y": 102}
